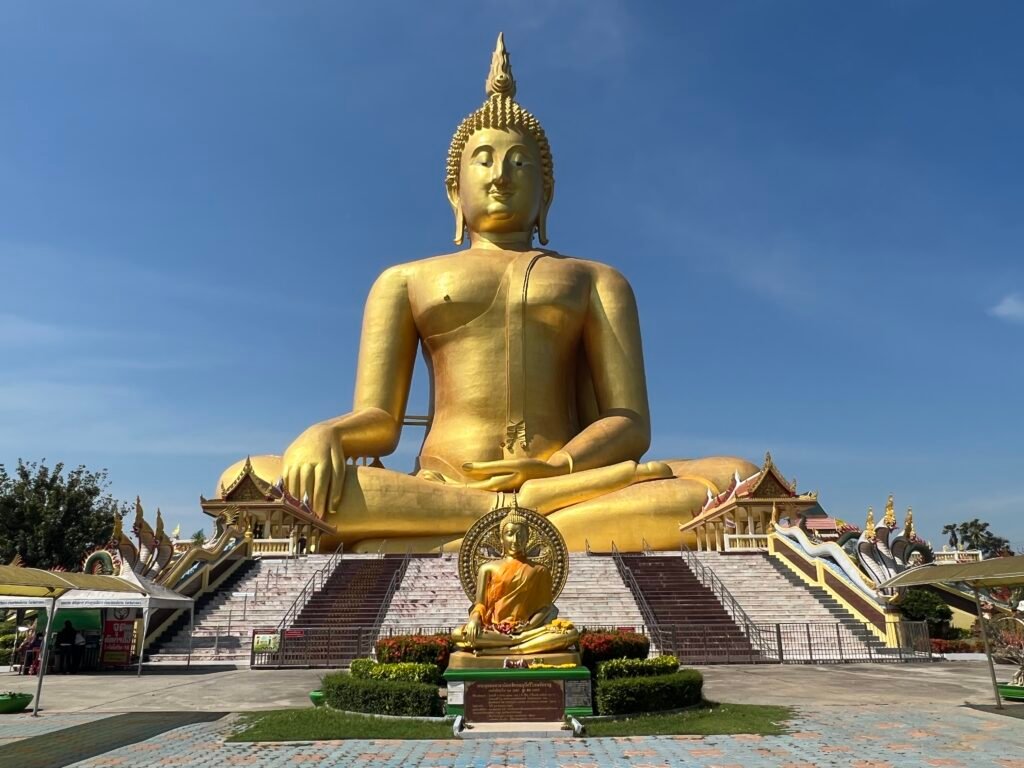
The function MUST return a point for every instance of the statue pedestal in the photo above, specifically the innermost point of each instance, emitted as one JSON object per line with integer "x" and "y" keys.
{"x": 482, "y": 691}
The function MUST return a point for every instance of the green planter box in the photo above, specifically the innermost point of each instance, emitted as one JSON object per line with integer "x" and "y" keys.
{"x": 1011, "y": 692}
{"x": 317, "y": 697}
{"x": 16, "y": 702}
{"x": 518, "y": 695}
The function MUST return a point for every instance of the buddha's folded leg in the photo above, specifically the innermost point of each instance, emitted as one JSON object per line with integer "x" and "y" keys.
{"x": 382, "y": 504}
{"x": 647, "y": 511}
{"x": 545, "y": 495}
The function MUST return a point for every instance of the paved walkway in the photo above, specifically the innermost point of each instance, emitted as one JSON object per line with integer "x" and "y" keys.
{"x": 836, "y": 737}
{"x": 898, "y": 717}
{"x": 216, "y": 689}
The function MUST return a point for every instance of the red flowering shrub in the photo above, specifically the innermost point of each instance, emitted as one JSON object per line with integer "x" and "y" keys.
{"x": 422, "y": 649}
{"x": 596, "y": 647}
{"x": 955, "y": 646}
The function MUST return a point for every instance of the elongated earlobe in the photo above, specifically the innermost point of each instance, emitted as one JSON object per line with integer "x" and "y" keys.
{"x": 542, "y": 222}
{"x": 460, "y": 225}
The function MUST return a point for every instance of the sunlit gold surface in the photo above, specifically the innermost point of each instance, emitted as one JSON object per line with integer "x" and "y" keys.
{"x": 513, "y": 610}
{"x": 537, "y": 376}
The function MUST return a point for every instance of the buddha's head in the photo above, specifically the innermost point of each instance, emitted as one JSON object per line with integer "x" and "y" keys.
{"x": 515, "y": 534}
{"x": 500, "y": 175}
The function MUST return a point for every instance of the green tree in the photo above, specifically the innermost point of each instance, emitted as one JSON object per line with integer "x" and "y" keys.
{"x": 51, "y": 517}
{"x": 975, "y": 534}
{"x": 199, "y": 537}
{"x": 924, "y": 605}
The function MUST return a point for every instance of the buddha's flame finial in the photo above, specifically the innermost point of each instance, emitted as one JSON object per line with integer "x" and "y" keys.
{"x": 499, "y": 80}
{"x": 869, "y": 524}
{"x": 890, "y": 513}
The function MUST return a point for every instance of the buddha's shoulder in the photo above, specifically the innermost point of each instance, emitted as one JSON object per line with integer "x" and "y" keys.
{"x": 465, "y": 259}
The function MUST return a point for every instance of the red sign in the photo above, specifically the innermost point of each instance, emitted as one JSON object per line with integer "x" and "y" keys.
{"x": 118, "y": 637}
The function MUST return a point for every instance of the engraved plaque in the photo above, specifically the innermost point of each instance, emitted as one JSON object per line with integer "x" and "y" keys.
{"x": 504, "y": 701}
{"x": 577, "y": 693}
{"x": 455, "y": 692}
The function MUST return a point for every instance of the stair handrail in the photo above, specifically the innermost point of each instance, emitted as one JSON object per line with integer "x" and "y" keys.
{"x": 709, "y": 579}
{"x": 629, "y": 579}
{"x": 393, "y": 585}
{"x": 310, "y": 587}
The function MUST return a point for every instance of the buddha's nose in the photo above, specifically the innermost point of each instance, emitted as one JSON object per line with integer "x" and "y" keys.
{"x": 499, "y": 175}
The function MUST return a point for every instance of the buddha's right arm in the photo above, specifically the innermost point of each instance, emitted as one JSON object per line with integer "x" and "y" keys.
{"x": 314, "y": 464}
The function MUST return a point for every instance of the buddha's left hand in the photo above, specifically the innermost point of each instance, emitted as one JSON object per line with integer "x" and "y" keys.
{"x": 510, "y": 474}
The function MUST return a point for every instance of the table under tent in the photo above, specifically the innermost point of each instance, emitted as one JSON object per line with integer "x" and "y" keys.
{"x": 34, "y": 588}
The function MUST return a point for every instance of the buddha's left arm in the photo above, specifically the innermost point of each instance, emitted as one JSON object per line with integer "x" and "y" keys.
{"x": 611, "y": 338}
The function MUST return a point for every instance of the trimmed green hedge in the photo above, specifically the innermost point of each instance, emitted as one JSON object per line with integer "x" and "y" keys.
{"x": 626, "y": 695}
{"x": 422, "y": 649}
{"x": 596, "y": 647}
{"x": 407, "y": 671}
{"x": 380, "y": 697}
{"x": 616, "y": 668}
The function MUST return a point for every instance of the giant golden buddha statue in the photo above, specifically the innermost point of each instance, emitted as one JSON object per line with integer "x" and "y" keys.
{"x": 537, "y": 376}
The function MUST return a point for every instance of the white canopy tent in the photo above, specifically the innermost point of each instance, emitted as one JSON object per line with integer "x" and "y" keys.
{"x": 127, "y": 591}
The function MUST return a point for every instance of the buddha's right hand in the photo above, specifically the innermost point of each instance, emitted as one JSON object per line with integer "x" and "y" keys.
{"x": 314, "y": 466}
{"x": 473, "y": 627}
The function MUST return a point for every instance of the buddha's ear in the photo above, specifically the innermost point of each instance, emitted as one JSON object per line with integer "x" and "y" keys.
{"x": 542, "y": 218}
{"x": 453, "y": 199}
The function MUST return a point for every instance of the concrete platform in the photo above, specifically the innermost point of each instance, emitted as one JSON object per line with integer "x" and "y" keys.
{"x": 515, "y": 731}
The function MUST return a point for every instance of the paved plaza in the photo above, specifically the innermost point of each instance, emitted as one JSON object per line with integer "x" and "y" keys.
{"x": 853, "y": 716}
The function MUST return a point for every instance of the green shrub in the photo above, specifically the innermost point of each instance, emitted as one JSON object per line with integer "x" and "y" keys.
{"x": 596, "y": 647}
{"x": 361, "y": 668}
{"x": 407, "y": 671}
{"x": 626, "y": 695}
{"x": 422, "y": 649}
{"x": 5, "y": 656}
{"x": 380, "y": 697}
{"x": 616, "y": 668}
{"x": 920, "y": 604}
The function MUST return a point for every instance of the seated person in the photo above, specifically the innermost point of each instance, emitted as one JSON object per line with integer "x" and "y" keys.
{"x": 514, "y": 610}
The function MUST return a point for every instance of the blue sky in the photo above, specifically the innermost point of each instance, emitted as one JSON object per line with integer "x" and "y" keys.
{"x": 818, "y": 205}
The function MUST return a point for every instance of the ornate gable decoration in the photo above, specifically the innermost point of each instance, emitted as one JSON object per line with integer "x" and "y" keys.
{"x": 770, "y": 484}
{"x": 248, "y": 486}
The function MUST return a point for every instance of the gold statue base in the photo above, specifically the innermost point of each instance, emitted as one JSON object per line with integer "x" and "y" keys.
{"x": 468, "y": 660}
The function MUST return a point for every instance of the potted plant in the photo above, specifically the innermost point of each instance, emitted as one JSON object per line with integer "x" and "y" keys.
{"x": 11, "y": 702}
{"x": 1008, "y": 645}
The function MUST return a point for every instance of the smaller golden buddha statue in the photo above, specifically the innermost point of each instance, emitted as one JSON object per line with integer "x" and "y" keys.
{"x": 513, "y": 610}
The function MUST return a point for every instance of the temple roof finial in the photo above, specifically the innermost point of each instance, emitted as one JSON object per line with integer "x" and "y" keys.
{"x": 499, "y": 80}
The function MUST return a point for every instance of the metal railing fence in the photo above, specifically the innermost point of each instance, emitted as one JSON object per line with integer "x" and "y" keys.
{"x": 709, "y": 579}
{"x": 692, "y": 644}
{"x": 316, "y": 582}
{"x": 638, "y": 595}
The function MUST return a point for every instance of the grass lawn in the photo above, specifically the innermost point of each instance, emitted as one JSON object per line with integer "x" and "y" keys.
{"x": 708, "y": 720}
{"x": 324, "y": 724}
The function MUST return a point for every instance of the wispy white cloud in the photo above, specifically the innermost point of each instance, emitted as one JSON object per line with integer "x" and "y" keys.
{"x": 1010, "y": 309}
{"x": 17, "y": 330}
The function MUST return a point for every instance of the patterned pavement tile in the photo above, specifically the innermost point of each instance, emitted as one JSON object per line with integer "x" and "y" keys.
{"x": 825, "y": 737}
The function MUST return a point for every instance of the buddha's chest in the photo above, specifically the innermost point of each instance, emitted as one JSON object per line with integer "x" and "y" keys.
{"x": 479, "y": 298}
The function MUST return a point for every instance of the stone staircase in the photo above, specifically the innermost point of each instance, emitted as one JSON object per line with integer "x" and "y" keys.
{"x": 812, "y": 625}
{"x": 224, "y": 620}
{"x": 431, "y": 599}
{"x": 691, "y": 623}
{"x": 339, "y": 623}
{"x": 595, "y": 595}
